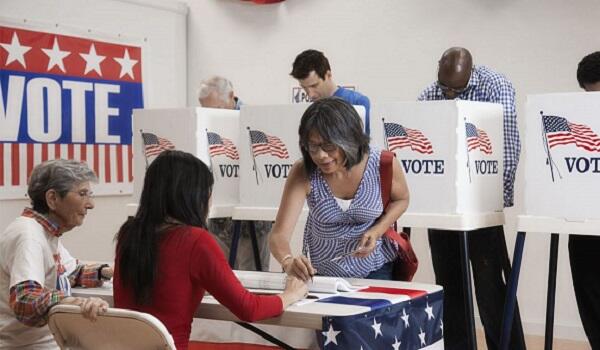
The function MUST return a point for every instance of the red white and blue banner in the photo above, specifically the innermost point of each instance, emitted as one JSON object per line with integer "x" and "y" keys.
{"x": 65, "y": 96}
{"x": 399, "y": 319}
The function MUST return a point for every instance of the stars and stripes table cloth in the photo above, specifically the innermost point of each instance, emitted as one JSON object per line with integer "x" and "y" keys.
{"x": 379, "y": 315}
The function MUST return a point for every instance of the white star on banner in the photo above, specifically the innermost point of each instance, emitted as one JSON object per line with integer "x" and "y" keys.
{"x": 126, "y": 64}
{"x": 377, "y": 327}
{"x": 16, "y": 51}
{"x": 404, "y": 318}
{"x": 396, "y": 344}
{"x": 429, "y": 311}
{"x": 422, "y": 337}
{"x": 56, "y": 56}
{"x": 442, "y": 327}
{"x": 331, "y": 334}
{"x": 92, "y": 61}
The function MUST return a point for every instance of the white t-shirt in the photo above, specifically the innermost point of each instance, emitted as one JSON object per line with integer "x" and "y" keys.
{"x": 27, "y": 253}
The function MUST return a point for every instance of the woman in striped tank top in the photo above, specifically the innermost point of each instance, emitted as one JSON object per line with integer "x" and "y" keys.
{"x": 339, "y": 178}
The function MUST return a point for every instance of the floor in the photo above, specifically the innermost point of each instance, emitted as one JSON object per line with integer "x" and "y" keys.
{"x": 534, "y": 342}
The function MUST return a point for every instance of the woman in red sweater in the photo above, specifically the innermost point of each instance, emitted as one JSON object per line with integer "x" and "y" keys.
{"x": 166, "y": 259}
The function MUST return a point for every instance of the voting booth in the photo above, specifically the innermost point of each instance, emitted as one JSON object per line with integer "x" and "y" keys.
{"x": 562, "y": 156}
{"x": 210, "y": 134}
{"x": 452, "y": 155}
{"x": 269, "y": 146}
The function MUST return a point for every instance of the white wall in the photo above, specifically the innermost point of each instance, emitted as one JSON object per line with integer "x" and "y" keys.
{"x": 389, "y": 49}
{"x": 162, "y": 30}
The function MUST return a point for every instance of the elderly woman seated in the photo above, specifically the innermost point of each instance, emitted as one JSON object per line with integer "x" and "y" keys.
{"x": 36, "y": 271}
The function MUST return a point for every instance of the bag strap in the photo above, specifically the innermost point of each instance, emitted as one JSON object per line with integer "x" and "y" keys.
{"x": 385, "y": 175}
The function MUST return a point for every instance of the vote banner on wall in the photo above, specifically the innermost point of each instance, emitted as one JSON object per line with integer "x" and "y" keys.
{"x": 562, "y": 159}
{"x": 450, "y": 151}
{"x": 65, "y": 96}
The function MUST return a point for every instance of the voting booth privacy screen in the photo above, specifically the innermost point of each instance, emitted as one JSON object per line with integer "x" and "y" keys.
{"x": 450, "y": 151}
{"x": 562, "y": 156}
{"x": 209, "y": 134}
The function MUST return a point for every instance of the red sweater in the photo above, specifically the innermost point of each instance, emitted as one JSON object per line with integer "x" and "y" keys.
{"x": 190, "y": 262}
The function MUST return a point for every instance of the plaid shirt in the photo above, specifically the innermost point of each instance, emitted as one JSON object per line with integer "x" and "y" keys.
{"x": 486, "y": 85}
{"x": 30, "y": 301}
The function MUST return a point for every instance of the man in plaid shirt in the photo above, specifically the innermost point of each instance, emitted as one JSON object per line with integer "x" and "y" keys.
{"x": 458, "y": 78}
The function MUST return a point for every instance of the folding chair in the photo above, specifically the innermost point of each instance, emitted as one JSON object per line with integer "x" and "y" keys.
{"x": 114, "y": 329}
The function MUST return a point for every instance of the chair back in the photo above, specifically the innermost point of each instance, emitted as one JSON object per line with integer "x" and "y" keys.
{"x": 114, "y": 329}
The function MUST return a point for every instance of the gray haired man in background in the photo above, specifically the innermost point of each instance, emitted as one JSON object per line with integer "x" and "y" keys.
{"x": 217, "y": 92}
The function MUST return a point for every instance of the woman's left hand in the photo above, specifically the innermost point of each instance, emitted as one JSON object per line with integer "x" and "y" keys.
{"x": 368, "y": 243}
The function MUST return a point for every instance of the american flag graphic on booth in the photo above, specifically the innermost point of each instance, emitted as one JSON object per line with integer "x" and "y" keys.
{"x": 559, "y": 131}
{"x": 218, "y": 145}
{"x": 155, "y": 145}
{"x": 398, "y": 136}
{"x": 477, "y": 139}
{"x": 400, "y": 319}
{"x": 69, "y": 97}
{"x": 267, "y": 144}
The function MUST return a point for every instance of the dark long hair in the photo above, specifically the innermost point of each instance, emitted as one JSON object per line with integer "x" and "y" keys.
{"x": 177, "y": 189}
{"x": 336, "y": 121}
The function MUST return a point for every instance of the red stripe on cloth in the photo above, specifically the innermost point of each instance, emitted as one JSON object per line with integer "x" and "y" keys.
{"x": 56, "y": 150}
{"x": 29, "y": 159}
{"x": 96, "y": 159}
{"x": 107, "y": 157}
{"x": 44, "y": 152}
{"x": 413, "y": 293}
{"x": 15, "y": 164}
{"x": 70, "y": 151}
{"x": 130, "y": 161}
{"x": 119, "y": 163}
{"x": 83, "y": 153}
{"x": 2, "y": 164}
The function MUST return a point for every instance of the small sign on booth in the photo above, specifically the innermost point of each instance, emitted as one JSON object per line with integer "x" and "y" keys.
{"x": 451, "y": 153}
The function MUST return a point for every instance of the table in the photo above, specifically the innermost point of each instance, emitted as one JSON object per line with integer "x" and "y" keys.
{"x": 376, "y": 320}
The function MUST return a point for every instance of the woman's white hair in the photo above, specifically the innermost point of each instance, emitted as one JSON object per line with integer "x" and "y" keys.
{"x": 220, "y": 85}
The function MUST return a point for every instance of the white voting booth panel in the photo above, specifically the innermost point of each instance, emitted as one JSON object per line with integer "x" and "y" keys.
{"x": 455, "y": 178}
{"x": 269, "y": 146}
{"x": 188, "y": 129}
{"x": 562, "y": 163}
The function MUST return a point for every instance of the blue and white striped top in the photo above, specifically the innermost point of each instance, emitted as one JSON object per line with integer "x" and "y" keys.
{"x": 331, "y": 232}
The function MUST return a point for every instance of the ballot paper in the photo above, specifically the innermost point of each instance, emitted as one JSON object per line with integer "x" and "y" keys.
{"x": 276, "y": 281}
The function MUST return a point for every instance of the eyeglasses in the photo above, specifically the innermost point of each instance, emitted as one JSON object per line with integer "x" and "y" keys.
{"x": 84, "y": 194}
{"x": 445, "y": 88}
{"x": 326, "y": 147}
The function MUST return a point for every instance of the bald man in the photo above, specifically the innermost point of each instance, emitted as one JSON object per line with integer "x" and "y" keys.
{"x": 584, "y": 251}
{"x": 458, "y": 78}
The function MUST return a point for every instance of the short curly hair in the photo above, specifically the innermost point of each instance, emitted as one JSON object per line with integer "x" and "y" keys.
{"x": 60, "y": 175}
{"x": 308, "y": 61}
{"x": 588, "y": 70}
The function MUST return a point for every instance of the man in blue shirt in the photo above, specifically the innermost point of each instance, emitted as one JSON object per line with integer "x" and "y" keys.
{"x": 311, "y": 69}
{"x": 458, "y": 78}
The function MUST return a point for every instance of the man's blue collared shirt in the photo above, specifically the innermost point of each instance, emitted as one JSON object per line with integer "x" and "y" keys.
{"x": 356, "y": 98}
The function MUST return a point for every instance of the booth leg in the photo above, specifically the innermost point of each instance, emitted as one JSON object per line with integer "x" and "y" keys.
{"x": 235, "y": 240}
{"x": 511, "y": 292}
{"x": 551, "y": 296}
{"x": 467, "y": 287}
{"x": 255, "y": 249}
